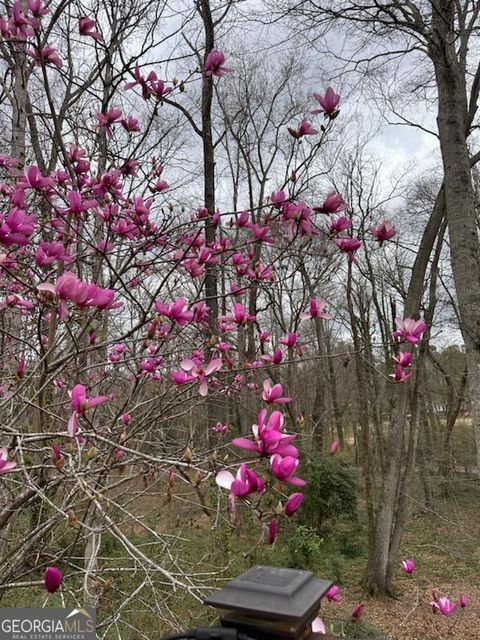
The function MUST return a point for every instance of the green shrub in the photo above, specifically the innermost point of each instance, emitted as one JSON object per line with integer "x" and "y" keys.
{"x": 330, "y": 494}
{"x": 349, "y": 538}
{"x": 361, "y": 630}
{"x": 303, "y": 545}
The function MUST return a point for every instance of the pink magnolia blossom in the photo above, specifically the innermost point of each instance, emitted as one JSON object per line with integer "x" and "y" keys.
{"x": 401, "y": 375}
{"x": 177, "y": 312}
{"x": 50, "y": 252}
{"x": 180, "y": 377}
{"x": 334, "y": 447}
{"x": 273, "y": 395}
{"x": 57, "y": 456}
{"x": 7, "y": 162}
{"x": 385, "y": 231}
{"x": 290, "y": 340}
{"x": 220, "y": 428}
{"x": 199, "y": 372}
{"x": 268, "y": 437}
{"x": 403, "y": 359}
{"x": 337, "y": 225}
{"x": 277, "y": 198}
{"x": 160, "y": 186}
{"x": 47, "y": 55}
{"x": 328, "y": 102}
{"x": 333, "y": 594}
{"x": 277, "y": 356}
{"x": 316, "y": 310}
{"x": 409, "y": 329}
{"x": 143, "y": 82}
{"x": 131, "y": 124}
{"x": 215, "y": 64}
{"x": 6, "y": 465}
{"x": 160, "y": 89}
{"x": 81, "y": 403}
{"x": 33, "y": 179}
{"x": 19, "y": 25}
{"x": 108, "y": 183}
{"x": 357, "y": 613}
{"x": 284, "y": 469}
{"x": 239, "y": 316}
{"x": 304, "y": 129}
{"x": 130, "y": 166}
{"x": 275, "y": 359}
{"x": 15, "y": 300}
{"x": 245, "y": 482}
{"x": 80, "y": 400}
{"x": 349, "y": 246}
{"x": 37, "y": 10}
{"x": 69, "y": 288}
{"x": 117, "y": 351}
{"x": 87, "y": 26}
{"x": 333, "y": 203}
{"x": 52, "y": 579}
{"x": 16, "y": 228}
{"x": 272, "y": 531}
{"x": 261, "y": 233}
{"x": 293, "y": 504}
{"x": 106, "y": 120}
{"x": 408, "y": 566}
{"x": 444, "y": 605}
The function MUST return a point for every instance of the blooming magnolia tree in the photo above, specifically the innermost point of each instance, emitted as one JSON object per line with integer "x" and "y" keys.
{"x": 112, "y": 343}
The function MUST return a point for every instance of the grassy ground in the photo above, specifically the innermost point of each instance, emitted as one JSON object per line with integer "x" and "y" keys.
{"x": 442, "y": 539}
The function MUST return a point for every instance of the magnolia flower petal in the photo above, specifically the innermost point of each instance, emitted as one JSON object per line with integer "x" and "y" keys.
{"x": 224, "y": 479}
{"x": 318, "y": 626}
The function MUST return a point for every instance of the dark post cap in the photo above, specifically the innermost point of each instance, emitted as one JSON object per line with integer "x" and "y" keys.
{"x": 271, "y": 594}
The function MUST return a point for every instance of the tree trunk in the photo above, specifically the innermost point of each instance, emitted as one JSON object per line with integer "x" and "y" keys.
{"x": 215, "y": 406}
{"x": 459, "y": 196}
{"x": 19, "y": 102}
{"x": 376, "y": 579}
{"x": 363, "y": 412}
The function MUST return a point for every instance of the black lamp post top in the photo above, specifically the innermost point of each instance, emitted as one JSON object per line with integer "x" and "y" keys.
{"x": 272, "y": 593}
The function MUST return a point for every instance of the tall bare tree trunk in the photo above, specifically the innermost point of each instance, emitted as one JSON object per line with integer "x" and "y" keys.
{"x": 363, "y": 411}
{"x": 215, "y": 411}
{"x": 452, "y": 124}
{"x": 20, "y": 101}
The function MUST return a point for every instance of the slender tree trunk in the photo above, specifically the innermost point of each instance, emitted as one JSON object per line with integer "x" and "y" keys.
{"x": 20, "y": 101}
{"x": 401, "y": 511}
{"x": 363, "y": 413}
{"x": 215, "y": 407}
{"x": 332, "y": 382}
{"x": 91, "y": 590}
{"x": 376, "y": 576}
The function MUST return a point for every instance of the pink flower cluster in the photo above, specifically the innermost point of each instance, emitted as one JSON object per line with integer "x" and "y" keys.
{"x": 410, "y": 331}
{"x": 81, "y": 403}
{"x": 150, "y": 85}
{"x": 68, "y": 288}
